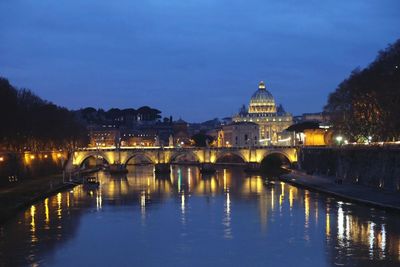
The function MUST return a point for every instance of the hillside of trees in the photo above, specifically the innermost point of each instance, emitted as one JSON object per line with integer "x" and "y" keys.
{"x": 117, "y": 117}
{"x": 27, "y": 122}
{"x": 367, "y": 103}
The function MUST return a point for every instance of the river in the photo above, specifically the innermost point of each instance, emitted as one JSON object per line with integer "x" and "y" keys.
{"x": 185, "y": 219}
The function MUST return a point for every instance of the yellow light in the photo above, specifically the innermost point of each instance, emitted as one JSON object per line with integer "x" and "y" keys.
{"x": 1, "y": 159}
{"x": 33, "y": 212}
{"x": 32, "y": 156}
{"x": 58, "y": 155}
{"x": 328, "y": 225}
{"x": 45, "y": 156}
{"x": 46, "y": 210}
{"x": 306, "y": 207}
{"x": 291, "y": 197}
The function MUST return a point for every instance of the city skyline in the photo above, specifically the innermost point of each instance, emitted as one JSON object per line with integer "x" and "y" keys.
{"x": 182, "y": 57}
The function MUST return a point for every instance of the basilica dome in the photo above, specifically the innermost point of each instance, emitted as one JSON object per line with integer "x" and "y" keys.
{"x": 262, "y": 101}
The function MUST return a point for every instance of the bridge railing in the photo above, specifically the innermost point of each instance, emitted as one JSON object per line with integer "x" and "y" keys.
{"x": 182, "y": 148}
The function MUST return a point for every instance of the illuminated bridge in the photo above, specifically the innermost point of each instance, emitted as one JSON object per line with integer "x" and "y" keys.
{"x": 206, "y": 157}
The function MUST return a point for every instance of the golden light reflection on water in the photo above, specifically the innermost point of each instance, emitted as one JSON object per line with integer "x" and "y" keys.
{"x": 306, "y": 208}
{"x": 328, "y": 224}
{"x": 33, "y": 212}
{"x": 343, "y": 228}
{"x": 59, "y": 210}
{"x": 281, "y": 196}
{"x": 46, "y": 211}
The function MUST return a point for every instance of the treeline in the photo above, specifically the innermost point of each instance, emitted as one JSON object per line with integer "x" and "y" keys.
{"x": 27, "y": 122}
{"x": 367, "y": 104}
{"x": 118, "y": 117}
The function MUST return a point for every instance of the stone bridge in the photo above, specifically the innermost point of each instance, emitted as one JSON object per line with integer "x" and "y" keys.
{"x": 205, "y": 156}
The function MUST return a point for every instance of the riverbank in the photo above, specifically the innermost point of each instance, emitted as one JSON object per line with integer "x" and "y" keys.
{"x": 21, "y": 196}
{"x": 353, "y": 192}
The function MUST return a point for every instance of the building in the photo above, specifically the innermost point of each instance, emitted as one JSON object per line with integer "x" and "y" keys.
{"x": 239, "y": 134}
{"x": 103, "y": 136}
{"x": 311, "y": 133}
{"x": 271, "y": 119}
{"x": 135, "y": 138}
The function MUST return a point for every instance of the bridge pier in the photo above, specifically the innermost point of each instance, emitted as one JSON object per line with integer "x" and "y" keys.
{"x": 207, "y": 167}
{"x": 252, "y": 166}
{"x": 162, "y": 168}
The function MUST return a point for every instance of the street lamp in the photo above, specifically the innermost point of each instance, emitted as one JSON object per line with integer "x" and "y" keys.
{"x": 339, "y": 139}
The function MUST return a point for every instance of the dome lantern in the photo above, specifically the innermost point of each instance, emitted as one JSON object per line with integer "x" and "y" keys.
{"x": 261, "y": 85}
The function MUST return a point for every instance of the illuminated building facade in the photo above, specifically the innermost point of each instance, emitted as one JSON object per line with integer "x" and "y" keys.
{"x": 271, "y": 119}
{"x": 239, "y": 134}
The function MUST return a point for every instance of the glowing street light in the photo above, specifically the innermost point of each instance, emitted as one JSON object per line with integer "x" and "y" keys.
{"x": 339, "y": 139}
{"x": 32, "y": 156}
{"x": 1, "y": 159}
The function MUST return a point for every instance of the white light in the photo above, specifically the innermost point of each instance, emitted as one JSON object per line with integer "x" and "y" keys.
{"x": 371, "y": 239}
{"x": 339, "y": 138}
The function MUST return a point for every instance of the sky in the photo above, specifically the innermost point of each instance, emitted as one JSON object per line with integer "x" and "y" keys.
{"x": 192, "y": 59}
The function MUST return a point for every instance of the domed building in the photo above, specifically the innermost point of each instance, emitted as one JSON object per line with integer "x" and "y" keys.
{"x": 272, "y": 119}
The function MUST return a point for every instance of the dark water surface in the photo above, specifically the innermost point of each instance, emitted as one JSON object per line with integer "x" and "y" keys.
{"x": 184, "y": 219}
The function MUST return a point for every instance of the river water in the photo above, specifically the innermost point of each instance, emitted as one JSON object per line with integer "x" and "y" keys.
{"x": 186, "y": 219}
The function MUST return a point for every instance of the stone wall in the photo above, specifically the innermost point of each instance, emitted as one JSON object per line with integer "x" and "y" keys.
{"x": 377, "y": 166}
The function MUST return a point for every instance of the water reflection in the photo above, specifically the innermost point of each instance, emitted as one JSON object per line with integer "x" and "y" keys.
{"x": 221, "y": 211}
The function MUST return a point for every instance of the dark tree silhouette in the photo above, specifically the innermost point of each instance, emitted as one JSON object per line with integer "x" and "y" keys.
{"x": 200, "y": 139}
{"x": 31, "y": 123}
{"x": 368, "y": 102}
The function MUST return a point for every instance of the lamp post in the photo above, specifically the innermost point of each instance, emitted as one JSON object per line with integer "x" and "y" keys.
{"x": 339, "y": 139}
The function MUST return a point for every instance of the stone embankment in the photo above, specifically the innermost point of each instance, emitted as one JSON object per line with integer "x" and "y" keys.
{"x": 365, "y": 174}
{"x": 20, "y": 196}
{"x": 353, "y": 192}
{"x": 374, "y": 166}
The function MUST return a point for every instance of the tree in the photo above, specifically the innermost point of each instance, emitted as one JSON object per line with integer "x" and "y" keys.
{"x": 8, "y": 110}
{"x": 367, "y": 103}
{"x": 29, "y": 122}
{"x": 201, "y": 139}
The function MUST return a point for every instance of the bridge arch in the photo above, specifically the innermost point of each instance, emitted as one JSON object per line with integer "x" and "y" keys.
{"x": 79, "y": 156}
{"x": 142, "y": 157}
{"x": 188, "y": 156}
{"x": 232, "y": 156}
{"x": 92, "y": 160}
{"x": 275, "y": 159}
{"x": 284, "y": 153}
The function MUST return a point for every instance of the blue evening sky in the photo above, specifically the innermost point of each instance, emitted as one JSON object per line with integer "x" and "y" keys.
{"x": 195, "y": 59}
